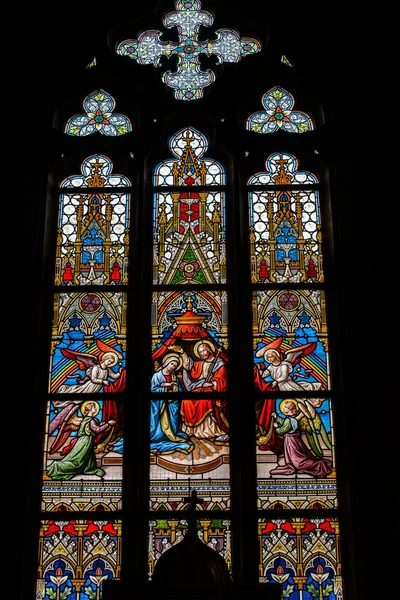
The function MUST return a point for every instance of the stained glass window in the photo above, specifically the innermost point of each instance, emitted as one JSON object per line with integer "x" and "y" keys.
{"x": 294, "y": 408}
{"x": 83, "y": 445}
{"x": 189, "y": 224}
{"x": 93, "y": 226}
{"x": 189, "y": 435}
{"x": 285, "y": 223}
{"x": 302, "y": 555}
{"x": 189, "y": 80}
{"x": 188, "y": 343}
{"x": 99, "y": 483}
{"x": 278, "y": 114}
{"x": 190, "y": 355}
{"x": 99, "y": 116}
{"x": 291, "y": 355}
{"x": 77, "y": 556}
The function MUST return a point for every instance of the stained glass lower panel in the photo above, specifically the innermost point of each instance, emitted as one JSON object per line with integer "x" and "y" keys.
{"x": 295, "y": 453}
{"x": 189, "y": 450}
{"x": 83, "y": 452}
{"x": 165, "y": 533}
{"x": 303, "y": 555}
{"x": 76, "y": 557}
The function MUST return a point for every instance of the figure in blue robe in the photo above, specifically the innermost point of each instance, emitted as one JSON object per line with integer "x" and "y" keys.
{"x": 165, "y": 436}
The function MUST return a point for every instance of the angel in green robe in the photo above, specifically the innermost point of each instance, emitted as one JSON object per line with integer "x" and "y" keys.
{"x": 81, "y": 457}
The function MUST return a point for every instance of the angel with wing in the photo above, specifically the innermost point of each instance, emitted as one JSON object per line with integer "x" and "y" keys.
{"x": 298, "y": 458}
{"x": 98, "y": 369}
{"x": 280, "y": 368}
{"x": 66, "y": 423}
{"x": 79, "y": 457}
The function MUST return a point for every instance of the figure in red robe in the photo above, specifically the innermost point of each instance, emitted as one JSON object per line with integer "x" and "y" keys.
{"x": 267, "y": 438}
{"x": 205, "y": 418}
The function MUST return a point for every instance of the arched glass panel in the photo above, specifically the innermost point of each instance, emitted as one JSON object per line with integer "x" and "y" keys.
{"x": 295, "y": 430}
{"x": 285, "y": 223}
{"x": 189, "y": 225}
{"x": 83, "y": 441}
{"x": 93, "y": 226}
{"x": 154, "y": 396}
{"x": 189, "y": 328}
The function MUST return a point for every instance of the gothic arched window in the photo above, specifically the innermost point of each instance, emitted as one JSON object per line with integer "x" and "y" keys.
{"x": 188, "y": 301}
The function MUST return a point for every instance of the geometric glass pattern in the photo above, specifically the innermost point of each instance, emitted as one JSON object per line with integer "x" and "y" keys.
{"x": 88, "y": 347}
{"x": 282, "y": 170}
{"x": 83, "y": 455}
{"x": 278, "y": 114}
{"x": 303, "y": 556}
{"x": 93, "y": 227}
{"x": 285, "y": 224}
{"x": 96, "y": 171}
{"x": 189, "y": 224}
{"x": 99, "y": 117}
{"x": 188, "y": 145}
{"x": 189, "y": 80}
{"x": 76, "y": 557}
{"x": 165, "y": 533}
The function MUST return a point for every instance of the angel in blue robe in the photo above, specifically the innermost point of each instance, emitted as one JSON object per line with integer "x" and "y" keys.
{"x": 165, "y": 436}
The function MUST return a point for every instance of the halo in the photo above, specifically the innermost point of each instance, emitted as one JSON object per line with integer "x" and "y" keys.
{"x": 288, "y": 400}
{"x": 93, "y": 402}
{"x": 207, "y": 343}
{"x": 113, "y": 355}
{"x": 167, "y": 358}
